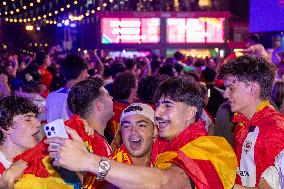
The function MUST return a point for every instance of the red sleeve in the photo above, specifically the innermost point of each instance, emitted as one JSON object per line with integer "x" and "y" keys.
{"x": 270, "y": 144}
{"x": 2, "y": 168}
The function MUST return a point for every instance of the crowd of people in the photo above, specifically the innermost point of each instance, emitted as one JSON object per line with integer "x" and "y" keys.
{"x": 144, "y": 122}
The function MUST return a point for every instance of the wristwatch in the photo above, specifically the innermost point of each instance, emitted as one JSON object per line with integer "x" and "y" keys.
{"x": 104, "y": 167}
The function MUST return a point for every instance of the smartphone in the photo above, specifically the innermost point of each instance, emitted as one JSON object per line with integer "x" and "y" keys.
{"x": 55, "y": 129}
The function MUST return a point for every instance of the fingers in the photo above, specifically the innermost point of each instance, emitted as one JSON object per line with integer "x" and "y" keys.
{"x": 53, "y": 147}
{"x": 74, "y": 135}
{"x": 53, "y": 155}
{"x": 19, "y": 167}
{"x": 55, "y": 140}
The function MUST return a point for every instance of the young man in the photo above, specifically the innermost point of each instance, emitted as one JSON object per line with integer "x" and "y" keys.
{"x": 260, "y": 128}
{"x": 74, "y": 70}
{"x": 182, "y": 152}
{"x": 137, "y": 132}
{"x": 92, "y": 107}
{"x": 18, "y": 132}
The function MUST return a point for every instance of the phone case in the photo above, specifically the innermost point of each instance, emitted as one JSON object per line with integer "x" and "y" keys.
{"x": 55, "y": 129}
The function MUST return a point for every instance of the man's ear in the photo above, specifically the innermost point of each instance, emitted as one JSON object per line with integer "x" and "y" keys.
{"x": 255, "y": 89}
{"x": 191, "y": 112}
{"x": 155, "y": 132}
{"x": 98, "y": 105}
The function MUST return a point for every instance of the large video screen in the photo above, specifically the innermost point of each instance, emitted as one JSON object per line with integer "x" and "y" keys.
{"x": 266, "y": 15}
{"x": 130, "y": 30}
{"x": 195, "y": 30}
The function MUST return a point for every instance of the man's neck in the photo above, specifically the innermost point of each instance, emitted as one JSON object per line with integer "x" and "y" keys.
{"x": 141, "y": 161}
{"x": 96, "y": 124}
{"x": 69, "y": 84}
{"x": 10, "y": 150}
{"x": 251, "y": 109}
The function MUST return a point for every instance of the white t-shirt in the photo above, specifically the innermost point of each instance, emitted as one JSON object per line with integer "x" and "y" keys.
{"x": 6, "y": 163}
{"x": 56, "y": 105}
{"x": 274, "y": 175}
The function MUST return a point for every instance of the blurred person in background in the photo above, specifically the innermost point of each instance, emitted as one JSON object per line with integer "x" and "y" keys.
{"x": 74, "y": 70}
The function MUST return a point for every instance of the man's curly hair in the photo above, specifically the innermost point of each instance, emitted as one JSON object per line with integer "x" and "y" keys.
{"x": 250, "y": 69}
{"x": 10, "y": 107}
{"x": 83, "y": 94}
{"x": 182, "y": 89}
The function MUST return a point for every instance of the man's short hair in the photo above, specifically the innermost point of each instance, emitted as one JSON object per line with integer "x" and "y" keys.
{"x": 147, "y": 88}
{"x": 123, "y": 84}
{"x": 10, "y": 107}
{"x": 72, "y": 67}
{"x": 182, "y": 89}
{"x": 250, "y": 69}
{"x": 83, "y": 94}
{"x": 40, "y": 57}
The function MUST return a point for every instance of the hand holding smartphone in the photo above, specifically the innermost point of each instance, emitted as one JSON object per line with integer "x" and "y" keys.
{"x": 55, "y": 129}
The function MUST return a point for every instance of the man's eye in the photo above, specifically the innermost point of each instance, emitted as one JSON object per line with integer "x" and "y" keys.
{"x": 125, "y": 126}
{"x": 142, "y": 125}
{"x": 168, "y": 105}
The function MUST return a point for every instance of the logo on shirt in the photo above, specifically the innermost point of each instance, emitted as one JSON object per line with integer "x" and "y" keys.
{"x": 243, "y": 173}
{"x": 247, "y": 146}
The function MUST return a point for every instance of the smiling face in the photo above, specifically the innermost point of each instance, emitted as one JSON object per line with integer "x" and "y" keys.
{"x": 137, "y": 134}
{"x": 173, "y": 117}
{"x": 23, "y": 133}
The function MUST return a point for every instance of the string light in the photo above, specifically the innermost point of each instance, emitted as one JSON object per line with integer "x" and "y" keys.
{"x": 53, "y": 21}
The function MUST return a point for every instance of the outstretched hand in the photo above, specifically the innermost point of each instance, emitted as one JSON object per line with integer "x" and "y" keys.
{"x": 71, "y": 153}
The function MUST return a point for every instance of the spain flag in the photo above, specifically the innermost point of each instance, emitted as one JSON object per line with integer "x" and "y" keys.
{"x": 40, "y": 172}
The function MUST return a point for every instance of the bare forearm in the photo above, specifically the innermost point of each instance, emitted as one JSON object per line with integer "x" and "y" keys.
{"x": 139, "y": 177}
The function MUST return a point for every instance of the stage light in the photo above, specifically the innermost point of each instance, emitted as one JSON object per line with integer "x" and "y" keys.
{"x": 72, "y": 25}
{"x": 29, "y": 27}
{"x": 66, "y": 22}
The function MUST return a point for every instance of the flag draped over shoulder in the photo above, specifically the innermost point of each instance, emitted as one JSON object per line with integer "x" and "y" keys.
{"x": 122, "y": 156}
{"x": 96, "y": 144}
{"x": 209, "y": 161}
{"x": 40, "y": 172}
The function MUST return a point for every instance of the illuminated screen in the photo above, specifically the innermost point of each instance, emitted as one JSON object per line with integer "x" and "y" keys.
{"x": 130, "y": 30}
{"x": 195, "y": 30}
{"x": 266, "y": 15}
